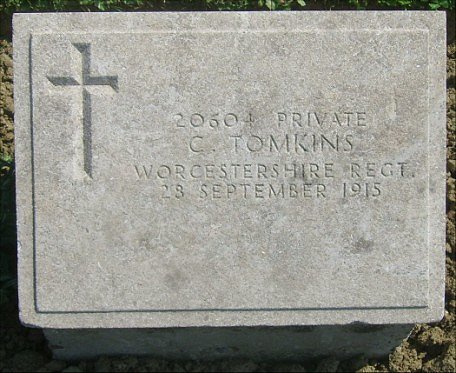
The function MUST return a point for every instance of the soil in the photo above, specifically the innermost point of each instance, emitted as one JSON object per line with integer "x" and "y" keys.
{"x": 6, "y": 100}
{"x": 430, "y": 347}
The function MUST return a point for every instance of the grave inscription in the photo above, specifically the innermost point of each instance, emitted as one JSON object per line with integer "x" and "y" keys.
{"x": 297, "y": 137}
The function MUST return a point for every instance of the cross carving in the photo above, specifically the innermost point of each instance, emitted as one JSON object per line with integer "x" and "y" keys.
{"x": 86, "y": 80}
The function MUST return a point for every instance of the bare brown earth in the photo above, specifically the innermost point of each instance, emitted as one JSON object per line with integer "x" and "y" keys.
{"x": 6, "y": 100}
{"x": 430, "y": 347}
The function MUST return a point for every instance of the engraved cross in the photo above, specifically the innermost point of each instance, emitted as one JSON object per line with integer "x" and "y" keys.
{"x": 86, "y": 80}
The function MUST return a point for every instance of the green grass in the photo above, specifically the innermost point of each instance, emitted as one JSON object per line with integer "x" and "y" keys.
{"x": 10, "y": 6}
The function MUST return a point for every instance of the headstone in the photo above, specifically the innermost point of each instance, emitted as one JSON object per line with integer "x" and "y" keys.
{"x": 230, "y": 169}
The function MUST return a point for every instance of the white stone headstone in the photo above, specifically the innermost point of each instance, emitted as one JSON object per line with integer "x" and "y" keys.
{"x": 230, "y": 169}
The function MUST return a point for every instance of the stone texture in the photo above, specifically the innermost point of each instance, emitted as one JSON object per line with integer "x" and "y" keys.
{"x": 230, "y": 169}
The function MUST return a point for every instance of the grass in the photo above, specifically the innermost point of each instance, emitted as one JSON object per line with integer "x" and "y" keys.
{"x": 10, "y": 6}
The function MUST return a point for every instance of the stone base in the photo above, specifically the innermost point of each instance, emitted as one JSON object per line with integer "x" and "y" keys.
{"x": 256, "y": 343}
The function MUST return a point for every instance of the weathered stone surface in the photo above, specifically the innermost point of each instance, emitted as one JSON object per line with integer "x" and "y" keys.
{"x": 223, "y": 169}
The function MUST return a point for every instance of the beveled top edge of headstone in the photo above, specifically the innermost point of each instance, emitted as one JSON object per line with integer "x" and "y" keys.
{"x": 239, "y": 21}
